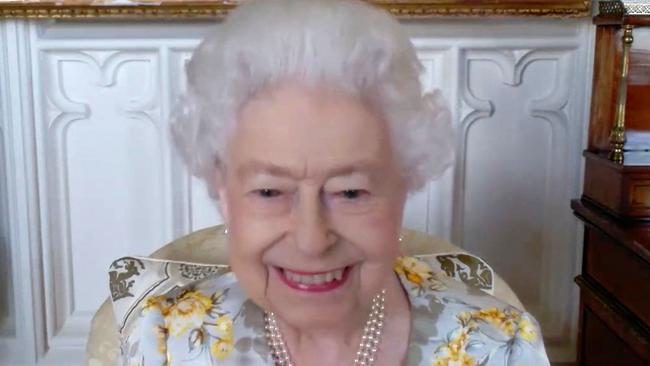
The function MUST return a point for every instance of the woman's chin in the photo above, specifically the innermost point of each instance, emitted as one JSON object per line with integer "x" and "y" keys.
{"x": 311, "y": 318}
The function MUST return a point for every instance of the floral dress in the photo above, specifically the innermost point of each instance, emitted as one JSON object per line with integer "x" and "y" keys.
{"x": 173, "y": 313}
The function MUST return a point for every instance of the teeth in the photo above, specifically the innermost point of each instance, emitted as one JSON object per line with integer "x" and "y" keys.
{"x": 338, "y": 274}
{"x": 314, "y": 279}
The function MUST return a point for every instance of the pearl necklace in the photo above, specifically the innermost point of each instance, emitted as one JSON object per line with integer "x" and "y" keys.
{"x": 367, "y": 347}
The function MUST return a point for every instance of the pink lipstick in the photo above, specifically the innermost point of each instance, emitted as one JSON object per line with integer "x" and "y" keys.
{"x": 314, "y": 281}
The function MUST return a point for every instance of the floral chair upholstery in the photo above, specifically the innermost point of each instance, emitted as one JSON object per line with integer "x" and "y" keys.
{"x": 208, "y": 246}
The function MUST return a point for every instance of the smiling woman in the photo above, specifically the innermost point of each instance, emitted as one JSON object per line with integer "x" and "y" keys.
{"x": 310, "y": 135}
{"x": 336, "y": 207}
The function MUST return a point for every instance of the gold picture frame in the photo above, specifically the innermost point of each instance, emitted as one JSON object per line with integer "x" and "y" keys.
{"x": 218, "y": 8}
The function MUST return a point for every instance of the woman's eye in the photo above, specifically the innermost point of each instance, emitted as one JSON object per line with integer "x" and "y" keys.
{"x": 267, "y": 192}
{"x": 352, "y": 194}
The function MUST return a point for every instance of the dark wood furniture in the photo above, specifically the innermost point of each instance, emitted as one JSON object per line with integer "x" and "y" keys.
{"x": 621, "y": 190}
{"x": 614, "y": 282}
{"x": 614, "y": 290}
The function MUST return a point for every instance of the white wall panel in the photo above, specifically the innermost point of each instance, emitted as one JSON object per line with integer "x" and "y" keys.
{"x": 91, "y": 173}
{"x": 7, "y": 311}
{"x": 104, "y": 160}
{"x": 20, "y": 346}
{"x": 7, "y": 322}
{"x": 513, "y": 165}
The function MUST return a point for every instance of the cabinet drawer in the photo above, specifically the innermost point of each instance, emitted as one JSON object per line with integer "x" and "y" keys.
{"x": 602, "y": 347}
{"x": 622, "y": 273}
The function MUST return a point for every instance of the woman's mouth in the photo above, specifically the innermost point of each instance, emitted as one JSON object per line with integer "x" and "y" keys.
{"x": 314, "y": 281}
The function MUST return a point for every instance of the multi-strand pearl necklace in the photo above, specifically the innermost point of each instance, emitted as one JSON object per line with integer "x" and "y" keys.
{"x": 372, "y": 333}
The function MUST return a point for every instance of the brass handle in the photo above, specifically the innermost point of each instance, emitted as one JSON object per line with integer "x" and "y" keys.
{"x": 617, "y": 136}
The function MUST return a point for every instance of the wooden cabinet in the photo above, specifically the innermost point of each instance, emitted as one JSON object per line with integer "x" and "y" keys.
{"x": 614, "y": 290}
{"x": 614, "y": 282}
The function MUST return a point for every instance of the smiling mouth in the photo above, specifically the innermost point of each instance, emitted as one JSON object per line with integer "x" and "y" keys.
{"x": 314, "y": 281}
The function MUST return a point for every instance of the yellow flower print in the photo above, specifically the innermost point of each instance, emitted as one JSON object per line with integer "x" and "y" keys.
{"x": 414, "y": 270}
{"x": 506, "y": 321}
{"x": 454, "y": 351}
{"x": 190, "y": 301}
{"x": 187, "y": 313}
{"x": 509, "y": 322}
{"x": 463, "y": 360}
{"x": 224, "y": 326}
{"x": 418, "y": 273}
{"x": 222, "y": 344}
{"x": 221, "y": 348}
{"x": 160, "y": 303}
{"x": 527, "y": 330}
{"x": 466, "y": 320}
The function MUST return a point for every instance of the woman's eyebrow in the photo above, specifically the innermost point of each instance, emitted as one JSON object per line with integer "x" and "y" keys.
{"x": 358, "y": 169}
{"x": 255, "y": 167}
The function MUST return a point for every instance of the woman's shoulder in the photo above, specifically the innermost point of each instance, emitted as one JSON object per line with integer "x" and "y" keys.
{"x": 169, "y": 310}
{"x": 133, "y": 279}
{"x": 454, "y": 321}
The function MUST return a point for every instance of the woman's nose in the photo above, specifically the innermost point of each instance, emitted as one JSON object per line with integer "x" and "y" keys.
{"x": 312, "y": 233}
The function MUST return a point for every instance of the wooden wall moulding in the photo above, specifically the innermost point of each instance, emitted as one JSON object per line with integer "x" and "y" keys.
{"x": 219, "y": 8}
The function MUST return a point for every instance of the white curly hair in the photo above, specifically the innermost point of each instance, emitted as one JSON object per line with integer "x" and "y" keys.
{"x": 347, "y": 43}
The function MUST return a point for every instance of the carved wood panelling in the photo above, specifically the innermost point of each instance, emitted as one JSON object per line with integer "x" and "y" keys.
{"x": 515, "y": 169}
{"x": 106, "y": 192}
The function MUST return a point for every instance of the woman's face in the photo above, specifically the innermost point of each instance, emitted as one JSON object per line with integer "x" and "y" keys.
{"x": 313, "y": 200}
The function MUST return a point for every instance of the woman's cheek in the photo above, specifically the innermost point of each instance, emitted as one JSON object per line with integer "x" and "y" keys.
{"x": 371, "y": 212}
{"x": 384, "y": 227}
{"x": 375, "y": 234}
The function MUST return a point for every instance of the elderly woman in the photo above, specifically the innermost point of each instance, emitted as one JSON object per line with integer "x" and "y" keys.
{"x": 306, "y": 120}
